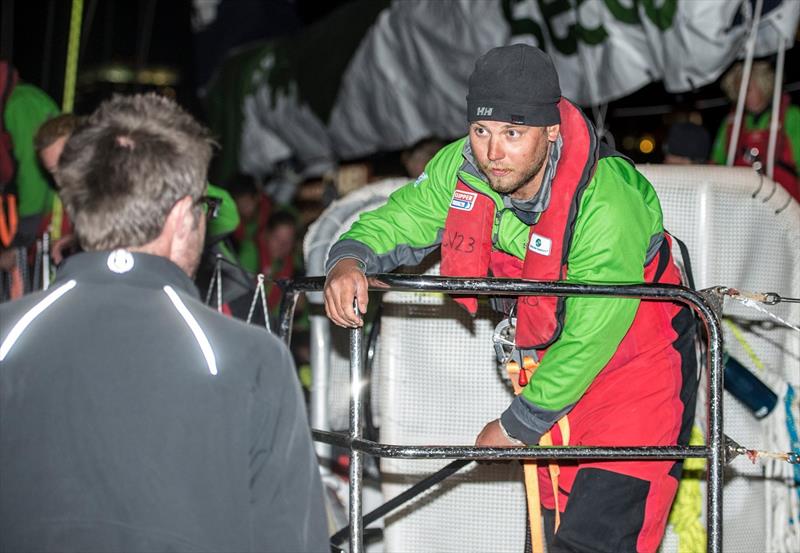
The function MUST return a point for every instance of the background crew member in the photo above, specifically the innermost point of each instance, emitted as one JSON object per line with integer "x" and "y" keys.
{"x": 753, "y": 143}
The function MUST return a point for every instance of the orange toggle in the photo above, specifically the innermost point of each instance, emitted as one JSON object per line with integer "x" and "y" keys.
{"x": 513, "y": 370}
{"x": 8, "y": 228}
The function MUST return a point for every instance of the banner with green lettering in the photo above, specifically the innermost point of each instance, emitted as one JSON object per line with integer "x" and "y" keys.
{"x": 380, "y": 76}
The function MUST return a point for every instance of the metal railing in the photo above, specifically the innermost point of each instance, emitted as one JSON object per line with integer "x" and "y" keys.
{"x": 706, "y": 304}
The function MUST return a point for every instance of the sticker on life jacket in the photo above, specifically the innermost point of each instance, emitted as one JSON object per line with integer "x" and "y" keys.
{"x": 463, "y": 200}
{"x": 539, "y": 244}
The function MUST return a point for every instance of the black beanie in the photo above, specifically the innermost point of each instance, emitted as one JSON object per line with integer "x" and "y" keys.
{"x": 516, "y": 84}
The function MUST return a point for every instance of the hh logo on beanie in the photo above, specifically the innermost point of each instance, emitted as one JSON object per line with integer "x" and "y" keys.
{"x": 520, "y": 84}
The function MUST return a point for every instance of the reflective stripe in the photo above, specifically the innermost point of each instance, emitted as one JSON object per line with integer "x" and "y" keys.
{"x": 34, "y": 312}
{"x": 199, "y": 335}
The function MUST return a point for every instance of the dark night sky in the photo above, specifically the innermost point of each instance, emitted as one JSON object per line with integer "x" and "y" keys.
{"x": 114, "y": 31}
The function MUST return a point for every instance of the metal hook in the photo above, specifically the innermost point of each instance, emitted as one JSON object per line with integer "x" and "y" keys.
{"x": 760, "y": 185}
{"x": 784, "y": 206}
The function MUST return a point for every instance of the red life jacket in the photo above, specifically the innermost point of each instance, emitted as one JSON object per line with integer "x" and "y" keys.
{"x": 757, "y": 142}
{"x": 8, "y": 165}
{"x": 467, "y": 249}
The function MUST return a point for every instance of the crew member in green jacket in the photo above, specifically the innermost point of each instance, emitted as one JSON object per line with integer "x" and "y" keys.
{"x": 26, "y": 109}
{"x": 24, "y": 193}
{"x": 531, "y": 193}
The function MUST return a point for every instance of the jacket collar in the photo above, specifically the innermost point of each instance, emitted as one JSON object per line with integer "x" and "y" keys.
{"x": 128, "y": 268}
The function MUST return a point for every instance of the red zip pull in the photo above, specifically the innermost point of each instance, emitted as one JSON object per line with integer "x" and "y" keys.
{"x": 523, "y": 375}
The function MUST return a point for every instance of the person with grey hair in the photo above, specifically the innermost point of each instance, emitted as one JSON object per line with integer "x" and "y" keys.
{"x": 135, "y": 418}
{"x": 753, "y": 141}
{"x": 532, "y": 193}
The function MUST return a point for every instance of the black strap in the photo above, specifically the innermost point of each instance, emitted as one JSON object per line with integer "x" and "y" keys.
{"x": 664, "y": 256}
{"x": 687, "y": 261}
{"x": 421, "y": 486}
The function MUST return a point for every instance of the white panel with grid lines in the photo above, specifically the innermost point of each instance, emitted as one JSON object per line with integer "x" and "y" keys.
{"x": 436, "y": 382}
{"x": 443, "y": 396}
{"x": 728, "y": 219}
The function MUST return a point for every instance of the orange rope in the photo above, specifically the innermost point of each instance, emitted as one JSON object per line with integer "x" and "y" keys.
{"x": 519, "y": 379}
{"x": 8, "y": 228}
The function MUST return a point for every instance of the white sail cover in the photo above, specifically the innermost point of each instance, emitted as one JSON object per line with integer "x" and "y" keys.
{"x": 406, "y": 78}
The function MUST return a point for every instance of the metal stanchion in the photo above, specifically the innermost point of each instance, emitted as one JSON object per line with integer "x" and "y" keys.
{"x": 356, "y": 456}
{"x": 716, "y": 438}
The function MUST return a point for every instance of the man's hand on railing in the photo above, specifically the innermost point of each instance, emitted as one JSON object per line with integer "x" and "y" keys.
{"x": 345, "y": 282}
{"x": 494, "y": 435}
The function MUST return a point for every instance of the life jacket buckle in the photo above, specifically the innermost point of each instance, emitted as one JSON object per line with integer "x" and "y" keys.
{"x": 503, "y": 340}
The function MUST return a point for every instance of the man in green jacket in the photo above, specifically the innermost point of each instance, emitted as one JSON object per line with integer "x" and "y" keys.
{"x": 25, "y": 195}
{"x": 531, "y": 193}
{"x": 26, "y": 109}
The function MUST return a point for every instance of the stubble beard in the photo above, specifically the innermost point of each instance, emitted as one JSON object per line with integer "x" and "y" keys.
{"x": 509, "y": 184}
{"x": 504, "y": 184}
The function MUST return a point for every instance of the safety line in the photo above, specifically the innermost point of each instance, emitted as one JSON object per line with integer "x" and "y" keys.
{"x": 71, "y": 70}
